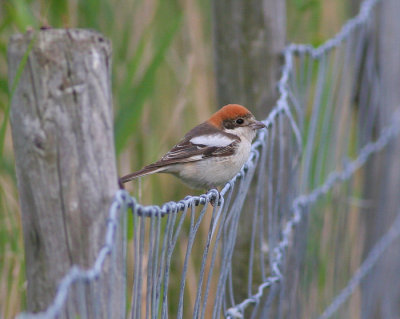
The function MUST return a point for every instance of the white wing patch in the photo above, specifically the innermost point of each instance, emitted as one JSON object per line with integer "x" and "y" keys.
{"x": 218, "y": 140}
{"x": 195, "y": 157}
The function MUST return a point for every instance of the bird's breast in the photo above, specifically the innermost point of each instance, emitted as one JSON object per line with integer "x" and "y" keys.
{"x": 214, "y": 171}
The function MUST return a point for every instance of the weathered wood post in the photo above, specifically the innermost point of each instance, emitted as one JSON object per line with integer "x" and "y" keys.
{"x": 62, "y": 129}
{"x": 249, "y": 38}
{"x": 380, "y": 297}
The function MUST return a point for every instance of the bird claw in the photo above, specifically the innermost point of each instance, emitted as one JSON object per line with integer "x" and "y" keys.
{"x": 215, "y": 200}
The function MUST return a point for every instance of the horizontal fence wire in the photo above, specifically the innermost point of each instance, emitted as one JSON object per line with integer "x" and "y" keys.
{"x": 77, "y": 274}
{"x": 187, "y": 256}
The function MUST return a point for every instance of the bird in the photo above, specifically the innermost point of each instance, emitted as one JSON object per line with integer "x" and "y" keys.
{"x": 210, "y": 154}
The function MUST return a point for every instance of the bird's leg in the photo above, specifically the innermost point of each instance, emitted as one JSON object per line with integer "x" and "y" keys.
{"x": 120, "y": 184}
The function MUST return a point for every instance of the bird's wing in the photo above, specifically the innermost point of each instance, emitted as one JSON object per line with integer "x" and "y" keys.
{"x": 201, "y": 142}
{"x": 193, "y": 147}
{"x": 189, "y": 151}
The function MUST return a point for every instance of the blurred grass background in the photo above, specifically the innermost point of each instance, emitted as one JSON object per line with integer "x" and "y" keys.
{"x": 163, "y": 84}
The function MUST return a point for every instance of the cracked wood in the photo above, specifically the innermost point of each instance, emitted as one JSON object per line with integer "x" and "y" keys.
{"x": 62, "y": 128}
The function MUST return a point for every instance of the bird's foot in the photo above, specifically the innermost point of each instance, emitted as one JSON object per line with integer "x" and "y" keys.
{"x": 217, "y": 199}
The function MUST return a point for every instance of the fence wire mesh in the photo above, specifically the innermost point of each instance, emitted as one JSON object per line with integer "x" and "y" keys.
{"x": 185, "y": 257}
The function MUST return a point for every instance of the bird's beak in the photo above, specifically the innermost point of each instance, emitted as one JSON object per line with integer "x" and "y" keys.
{"x": 256, "y": 125}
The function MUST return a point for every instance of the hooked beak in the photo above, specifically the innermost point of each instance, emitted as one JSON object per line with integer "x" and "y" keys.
{"x": 256, "y": 125}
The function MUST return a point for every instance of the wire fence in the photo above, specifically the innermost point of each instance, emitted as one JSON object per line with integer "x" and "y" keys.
{"x": 185, "y": 256}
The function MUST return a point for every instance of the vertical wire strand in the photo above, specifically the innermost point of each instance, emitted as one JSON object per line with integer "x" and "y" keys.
{"x": 150, "y": 265}
{"x": 348, "y": 47}
{"x": 157, "y": 266}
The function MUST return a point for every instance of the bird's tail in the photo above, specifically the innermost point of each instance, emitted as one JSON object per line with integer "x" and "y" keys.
{"x": 150, "y": 169}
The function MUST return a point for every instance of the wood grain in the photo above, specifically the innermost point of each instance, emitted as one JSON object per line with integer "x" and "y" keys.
{"x": 62, "y": 129}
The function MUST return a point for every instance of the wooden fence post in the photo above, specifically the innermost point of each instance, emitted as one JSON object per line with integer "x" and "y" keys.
{"x": 249, "y": 38}
{"x": 62, "y": 129}
{"x": 380, "y": 297}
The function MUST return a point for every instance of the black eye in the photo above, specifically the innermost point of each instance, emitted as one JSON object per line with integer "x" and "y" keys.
{"x": 239, "y": 121}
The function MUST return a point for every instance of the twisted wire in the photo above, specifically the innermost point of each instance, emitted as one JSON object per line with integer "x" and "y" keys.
{"x": 222, "y": 218}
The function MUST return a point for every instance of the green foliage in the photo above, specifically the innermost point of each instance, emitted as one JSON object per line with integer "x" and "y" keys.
{"x": 133, "y": 96}
{"x": 14, "y": 85}
{"x": 313, "y": 21}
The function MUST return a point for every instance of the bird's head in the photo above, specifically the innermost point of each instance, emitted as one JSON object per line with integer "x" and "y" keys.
{"x": 236, "y": 119}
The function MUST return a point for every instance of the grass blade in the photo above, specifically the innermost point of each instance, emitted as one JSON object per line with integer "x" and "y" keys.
{"x": 17, "y": 77}
{"x": 131, "y": 105}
